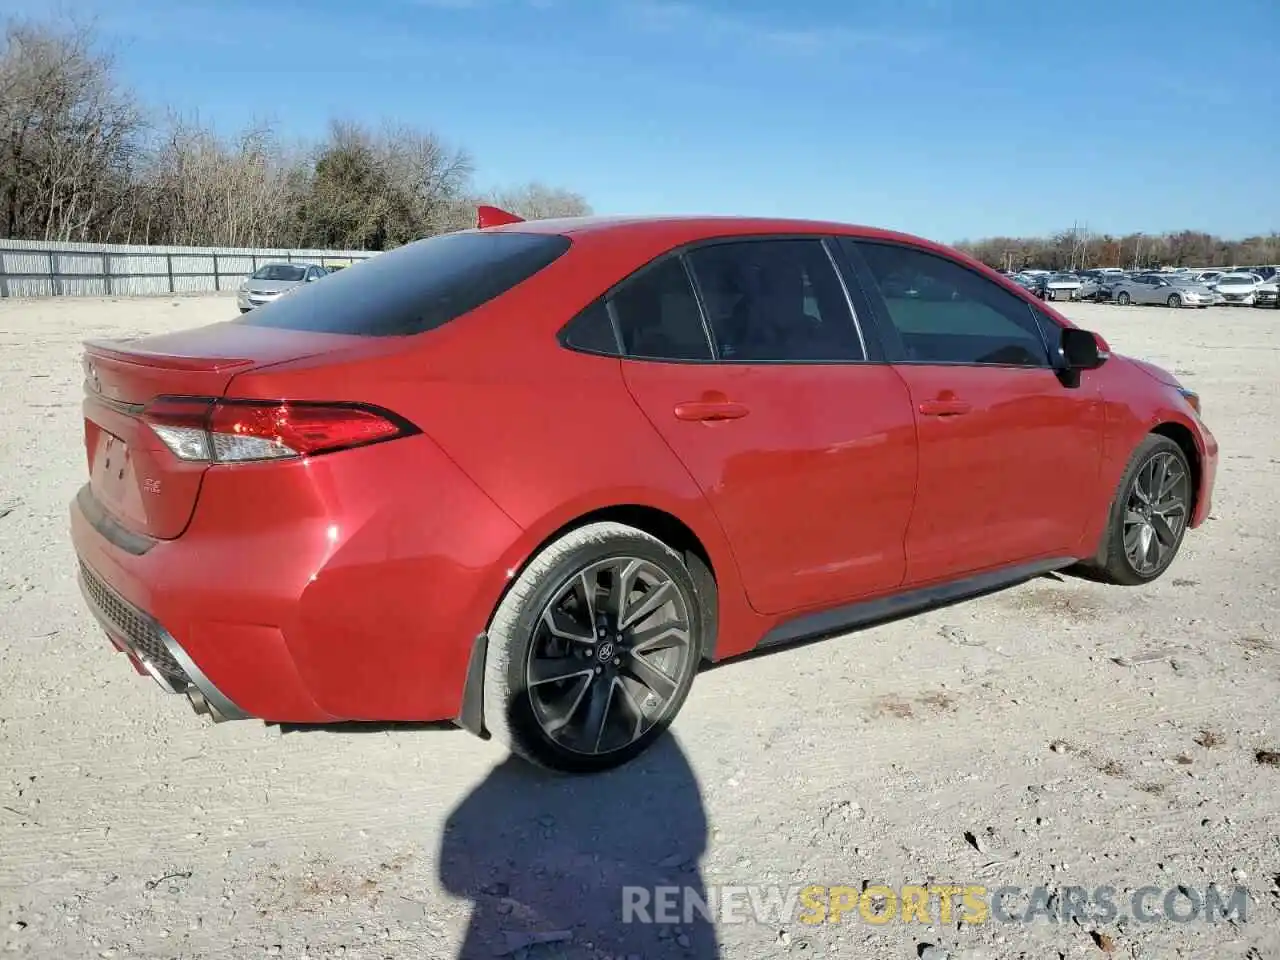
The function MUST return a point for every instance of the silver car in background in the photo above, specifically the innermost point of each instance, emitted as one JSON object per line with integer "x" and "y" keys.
{"x": 1153, "y": 288}
{"x": 273, "y": 280}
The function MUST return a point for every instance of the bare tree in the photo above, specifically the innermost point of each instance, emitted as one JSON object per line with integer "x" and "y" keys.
{"x": 69, "y": 136}
{"x": 537, "y": 201}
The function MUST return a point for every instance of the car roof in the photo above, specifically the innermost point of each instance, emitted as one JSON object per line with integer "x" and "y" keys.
{"x": 675, "y": 230}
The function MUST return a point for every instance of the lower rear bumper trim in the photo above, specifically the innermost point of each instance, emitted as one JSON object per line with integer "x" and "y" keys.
{"x": 205, "y": 697}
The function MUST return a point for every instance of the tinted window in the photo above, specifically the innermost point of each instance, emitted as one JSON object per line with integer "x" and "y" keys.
{"x": 592, "y": 331}
{"x": 946, "y": 313}
{"x": 775, "y": 300}
{"x": 414, "y": 288}
{"x": 658, "y": 316}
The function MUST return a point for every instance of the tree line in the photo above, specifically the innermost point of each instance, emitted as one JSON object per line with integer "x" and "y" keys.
{"x": 1078, "y": 249}
{"x": 83, "y": 160}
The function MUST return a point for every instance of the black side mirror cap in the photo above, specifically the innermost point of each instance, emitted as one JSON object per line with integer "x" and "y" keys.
{"x": 1081, "y": 350}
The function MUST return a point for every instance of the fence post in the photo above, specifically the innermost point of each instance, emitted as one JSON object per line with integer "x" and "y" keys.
{"x": 217, "y": 281}
{"x": 168, "y": 263}
{"x": 255, "y": 263}
{"x": 4, "y": 278}
{"x": 106, "y": 272}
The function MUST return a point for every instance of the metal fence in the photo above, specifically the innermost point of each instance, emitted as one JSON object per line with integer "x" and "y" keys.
{"x": 34, "y": 268}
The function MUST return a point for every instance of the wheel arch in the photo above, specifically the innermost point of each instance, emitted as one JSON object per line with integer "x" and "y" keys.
{"x": 656, "y": 522}
{"x": 1181, "y": 435}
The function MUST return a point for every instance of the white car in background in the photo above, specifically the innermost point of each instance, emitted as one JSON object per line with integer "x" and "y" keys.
{"x": 1238, "y": 289}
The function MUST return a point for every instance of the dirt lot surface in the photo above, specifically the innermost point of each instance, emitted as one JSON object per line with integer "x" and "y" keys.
{"x": 994, "y": 743}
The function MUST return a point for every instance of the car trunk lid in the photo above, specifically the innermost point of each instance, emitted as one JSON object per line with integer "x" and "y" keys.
{"x": 132, "y": 474}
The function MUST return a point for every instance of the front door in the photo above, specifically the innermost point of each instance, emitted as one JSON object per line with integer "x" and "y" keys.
{"x": 1008, "y": 453}
{"x": 805, "y": 451}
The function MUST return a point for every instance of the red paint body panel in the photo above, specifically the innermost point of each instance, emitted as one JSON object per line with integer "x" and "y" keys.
{"x": 353, "y": 584}
{"x": 1001, "y": 482}
{"x": 813, "y": 486}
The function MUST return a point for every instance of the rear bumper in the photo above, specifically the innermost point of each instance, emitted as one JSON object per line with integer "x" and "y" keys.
{"x": 152, "y": 649}
{"x": 310, "y": 592}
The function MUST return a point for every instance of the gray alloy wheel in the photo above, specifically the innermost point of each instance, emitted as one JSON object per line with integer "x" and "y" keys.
{"x": 593, "y": 650}
{"x": 1174, "y": 300}
{"x": 1149, "y": 516}
{"x": 1123, "y": 298}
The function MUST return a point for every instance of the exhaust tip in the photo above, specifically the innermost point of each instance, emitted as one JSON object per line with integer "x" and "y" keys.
{"x": 198, "y": 703}
{"x": 201, "y": 705}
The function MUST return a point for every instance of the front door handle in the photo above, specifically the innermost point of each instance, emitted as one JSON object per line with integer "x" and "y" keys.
{"x": 945, "y": 408}
{"x": 706, "y": 410}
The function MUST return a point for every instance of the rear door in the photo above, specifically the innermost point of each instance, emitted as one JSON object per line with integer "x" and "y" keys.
{"x": 802, "y": 443}
{"x": 1007, "y": 452}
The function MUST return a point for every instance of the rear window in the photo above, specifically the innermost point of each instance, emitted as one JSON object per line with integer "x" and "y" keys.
{"x": 413, "y": 288}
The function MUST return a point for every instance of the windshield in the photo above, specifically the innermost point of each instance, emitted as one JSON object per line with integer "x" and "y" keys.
{"x": 280, "y": 271}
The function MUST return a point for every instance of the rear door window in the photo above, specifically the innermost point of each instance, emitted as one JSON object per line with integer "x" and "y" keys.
{"x": 771, "y": 301}
{"x": 414, "y": 288}
{"x": 658, "y": 317}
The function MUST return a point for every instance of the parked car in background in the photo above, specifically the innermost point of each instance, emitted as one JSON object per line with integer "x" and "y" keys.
{"x": 1265, "y": 294}
{"x": 272, "y": 280}
{"x": 1156, "y": 288}
{"x": 1092, "y": 286}
{"x": 381, "y": 508}
{"x": 1060, "y": 286}
{"x": 1238, "y": 289}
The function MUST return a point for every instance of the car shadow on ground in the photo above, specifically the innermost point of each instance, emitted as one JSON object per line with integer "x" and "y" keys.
{"x": 551, "y": 862}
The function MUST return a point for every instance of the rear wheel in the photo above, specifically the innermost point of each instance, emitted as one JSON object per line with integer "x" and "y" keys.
{"x": 1123, "y": 299}
{"x": 1174, "y": 300}
{"x": 1149, "y": 516}
{"x": 593, "y": 650}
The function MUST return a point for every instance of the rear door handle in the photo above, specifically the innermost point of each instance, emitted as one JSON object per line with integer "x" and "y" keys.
{"x": 944, "y": 408}
{"x": 710, "y": 410}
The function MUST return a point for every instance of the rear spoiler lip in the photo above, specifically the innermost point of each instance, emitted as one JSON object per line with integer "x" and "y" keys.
{"x": 117, "y": 350}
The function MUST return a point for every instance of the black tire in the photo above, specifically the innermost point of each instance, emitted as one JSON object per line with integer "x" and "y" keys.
{"x": 1113, "y": 564}
{"x": 1174, "y": 300}
{"x": 510, "y": 713}
{"x": 1123, "y": 299}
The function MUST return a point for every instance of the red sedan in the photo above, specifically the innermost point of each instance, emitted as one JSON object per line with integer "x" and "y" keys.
{"x": 527, "y": 477}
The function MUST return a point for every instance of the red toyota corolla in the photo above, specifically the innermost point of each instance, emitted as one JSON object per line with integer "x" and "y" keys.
{"x": 527, "y": 477}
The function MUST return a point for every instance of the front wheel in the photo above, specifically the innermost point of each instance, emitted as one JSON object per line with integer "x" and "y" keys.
{"x": 593, "y": 650}
{"x": 1149, "y": 516}
{"x": 1123, "y": 299}
{"x": 1174, "y": 300}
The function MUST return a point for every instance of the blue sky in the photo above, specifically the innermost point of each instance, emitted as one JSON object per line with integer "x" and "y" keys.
{"x": 952, "y": 120}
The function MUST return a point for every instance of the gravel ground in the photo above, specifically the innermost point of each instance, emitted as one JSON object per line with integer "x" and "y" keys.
{"x": 997, "y": 742}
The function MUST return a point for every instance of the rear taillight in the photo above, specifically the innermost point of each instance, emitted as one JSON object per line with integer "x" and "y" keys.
{"x": 236, "y": 431}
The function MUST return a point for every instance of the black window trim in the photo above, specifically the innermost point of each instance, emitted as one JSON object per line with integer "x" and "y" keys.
{"x": 872, "y": 349}
{"x": 562, "y": 335}
{"x": 881, "y": 309}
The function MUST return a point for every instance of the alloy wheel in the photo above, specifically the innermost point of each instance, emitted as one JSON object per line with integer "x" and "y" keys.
{"x": 1156, "y": 512}
{"x": 1122, "y": 299}
{"x": 609, "y": 652}
{"x": 1175, "y": 301}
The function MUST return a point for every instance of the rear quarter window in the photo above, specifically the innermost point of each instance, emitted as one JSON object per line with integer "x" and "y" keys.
{"x": 414, "y": 288}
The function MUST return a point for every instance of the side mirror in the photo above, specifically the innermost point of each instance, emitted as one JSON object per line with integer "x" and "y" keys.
{"x": 1081, "y": 349}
